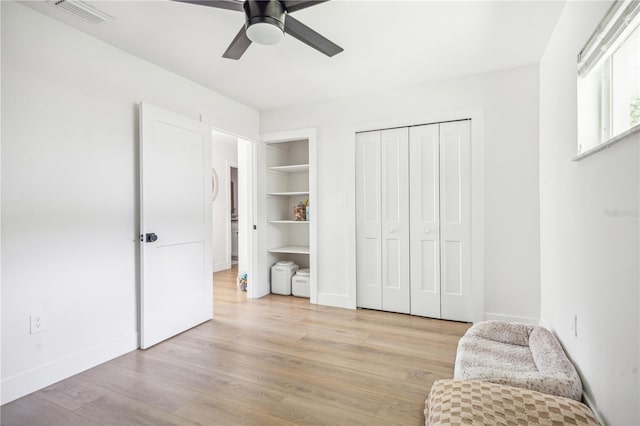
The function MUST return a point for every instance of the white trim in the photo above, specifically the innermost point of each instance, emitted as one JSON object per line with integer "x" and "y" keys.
{"x": 608, "y": 144}
{"x": 222, "y": 266}
{"x": 42, "y": 376}
{"x": 313, "y": 212}
{"x": 253, "y": 232}
{"x": 477, "y": 194}
{"x": 511, "y": 318}
{"x": 249, "y": 219}
{"x": 589, "y": 402}
{"x": 228, "y": 165}
{"x": 214, "y": 126}
{"x": 225, "y": 263}
{"x": 335, "y": 300}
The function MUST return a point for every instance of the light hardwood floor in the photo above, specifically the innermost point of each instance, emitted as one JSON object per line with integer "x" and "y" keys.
{"x": 271, "y": 361}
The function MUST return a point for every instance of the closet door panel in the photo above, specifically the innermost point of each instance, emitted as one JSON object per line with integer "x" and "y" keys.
{"x": 455, "y": 220}
{"x": 424, "y": 169}
{"x": 395, "y": 220}
{"x": 368, "y": 225}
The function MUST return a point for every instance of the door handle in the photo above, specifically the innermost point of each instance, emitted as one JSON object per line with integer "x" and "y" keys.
{"x": 150, "y": 238}
{"x": 392, "y": 230}
{"x": 427, "y": 231}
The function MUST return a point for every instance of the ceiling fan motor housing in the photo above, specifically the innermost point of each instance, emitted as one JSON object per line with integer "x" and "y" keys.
{"x": 265, "y": 24}
{"x": 267, "y": 12}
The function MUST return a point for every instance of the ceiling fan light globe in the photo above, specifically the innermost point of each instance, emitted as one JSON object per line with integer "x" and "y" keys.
{"x": 264, "y": 33}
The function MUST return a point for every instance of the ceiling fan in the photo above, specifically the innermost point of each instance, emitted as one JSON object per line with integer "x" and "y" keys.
{"x": 267, "y": 21}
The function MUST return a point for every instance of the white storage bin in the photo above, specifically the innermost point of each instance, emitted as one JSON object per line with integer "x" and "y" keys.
{"x": 300, "y": 283}
{"x": 281, "y": 274}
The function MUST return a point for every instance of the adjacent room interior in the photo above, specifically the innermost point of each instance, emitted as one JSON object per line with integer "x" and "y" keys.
{"x": 367, "y": 182}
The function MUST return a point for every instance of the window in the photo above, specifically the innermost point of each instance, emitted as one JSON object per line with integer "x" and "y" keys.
{"x": 609, "y": 79}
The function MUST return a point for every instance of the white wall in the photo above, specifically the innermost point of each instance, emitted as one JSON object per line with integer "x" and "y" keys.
{"x": 70, "y": 192}
{"x": 508, "y": 101}
{"x": 224, "y": 152}
{"x": 589, "y": 231}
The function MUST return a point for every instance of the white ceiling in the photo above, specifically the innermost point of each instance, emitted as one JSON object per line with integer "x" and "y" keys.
{"x": 386, "y": 44}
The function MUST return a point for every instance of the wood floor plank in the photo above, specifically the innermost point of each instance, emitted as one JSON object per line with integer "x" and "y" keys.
{"x": 277, "y": 360}
{"x": 36, "y": 410}
{"x": 300, "y": 410}
{"x": 146, "y": 388}
{"x": 208, "y": 410}
{"x": 71, "y": 394}
{"x": 115, "y": 409}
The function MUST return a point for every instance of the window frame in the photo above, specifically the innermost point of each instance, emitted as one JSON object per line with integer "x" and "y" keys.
{"x": 619, "y": 23}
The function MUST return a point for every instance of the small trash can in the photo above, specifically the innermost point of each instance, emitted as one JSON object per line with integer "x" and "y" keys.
{"x": 300, "y": 283}
{"x": 281, "y": 274}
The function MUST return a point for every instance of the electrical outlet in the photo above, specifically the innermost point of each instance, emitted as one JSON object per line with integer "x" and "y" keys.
{"x": 574, "y": 325}
{"x": 35, "y": 323}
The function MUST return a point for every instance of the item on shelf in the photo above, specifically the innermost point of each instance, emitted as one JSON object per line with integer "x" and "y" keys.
{"x": 306, "y": 215}
{"x": 281, "y": 274}
{"x": 242, "y": 281}
{"x": 300, "y": 283}
{"x": 299, "y": 212}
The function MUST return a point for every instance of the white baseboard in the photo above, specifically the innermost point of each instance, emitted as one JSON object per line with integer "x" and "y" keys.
{"x": 511, "y": 318}
{"x": 335, "y": 300}
{"x": 592, "y": 406}
{"x": 217, "y": 267}
{"x": 42, "y": 376}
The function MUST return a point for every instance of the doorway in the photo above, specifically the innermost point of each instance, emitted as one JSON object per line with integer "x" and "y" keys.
{"x": 235, "y": 214}
{"x": 224, "y": 153}
{"x": 233, "y": 202}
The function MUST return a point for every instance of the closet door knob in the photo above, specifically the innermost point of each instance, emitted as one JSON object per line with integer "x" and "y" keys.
{"x": 427, "y": 231}
{"x": 392, "y": 230}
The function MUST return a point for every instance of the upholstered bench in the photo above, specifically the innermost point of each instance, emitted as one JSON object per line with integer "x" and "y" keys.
{"x": 462, "y": 402}
{"x": 518, "y": 355}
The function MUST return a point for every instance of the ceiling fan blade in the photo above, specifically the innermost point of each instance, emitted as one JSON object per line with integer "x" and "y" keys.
{"x": 293, "y": 5}
{"x": 238, "y": 46}
{"x": 306, "y": 35}
{"x": 220, "y": 4}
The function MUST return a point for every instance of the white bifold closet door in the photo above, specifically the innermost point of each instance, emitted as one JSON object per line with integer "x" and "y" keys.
{"x": 383, "y": 220}
{"x": 455, "y": 221}
{"x": 395, "y": 220}
{"x": 440, "y": 181}
{"x": 424, "y": 206}
{"x": 368, "y": 218}
{"x": 413, "y": 191}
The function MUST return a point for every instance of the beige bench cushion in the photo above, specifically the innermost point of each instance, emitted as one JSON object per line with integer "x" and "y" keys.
{"x": 472, "y": 402}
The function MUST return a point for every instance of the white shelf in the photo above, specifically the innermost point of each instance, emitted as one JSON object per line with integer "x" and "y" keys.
{"x": 289, "y": 171}
{"x": 287, "y": 194}
{"x": 298, "y": 168}
{"x": 290, "y": 250}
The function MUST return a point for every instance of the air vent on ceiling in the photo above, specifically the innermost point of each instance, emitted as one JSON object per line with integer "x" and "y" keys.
{"x": 83, "y": 10}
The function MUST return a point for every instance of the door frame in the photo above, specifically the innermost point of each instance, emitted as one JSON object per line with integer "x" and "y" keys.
{"x": 476, "y": 115}
{"x": 228, "y": 165}
{"x": 251, "y": 240}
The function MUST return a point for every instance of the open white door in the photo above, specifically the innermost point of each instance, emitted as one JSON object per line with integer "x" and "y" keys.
{"x": 175, "y": 224}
